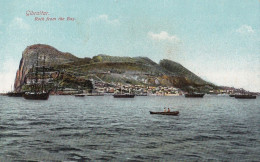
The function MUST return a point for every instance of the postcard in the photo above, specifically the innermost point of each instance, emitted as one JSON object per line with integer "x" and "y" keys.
{"x": 129, "y": 80}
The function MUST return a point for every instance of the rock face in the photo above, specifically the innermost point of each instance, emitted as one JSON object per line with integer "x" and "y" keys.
{"x": 74, "y": 71}
{"x": 29, "y": 57}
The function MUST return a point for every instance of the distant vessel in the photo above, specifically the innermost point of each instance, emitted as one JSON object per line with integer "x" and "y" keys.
{"x": 166, "y": 113}
{"x": 232, "y": 95}
{"x": 194, "y": 95}
{"x": 245, "y": 96}
{"x": 14, "y": 93}
{"x": 79, "y": 95}
{"x": 124, "y": 95}
{"x": 38, "y": 91}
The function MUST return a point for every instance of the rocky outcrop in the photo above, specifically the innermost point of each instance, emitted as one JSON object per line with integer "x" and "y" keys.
{"x": 76, "y": 72}
{"x": 29, "y": 57}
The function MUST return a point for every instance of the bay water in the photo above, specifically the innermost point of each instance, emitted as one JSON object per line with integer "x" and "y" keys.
{"x": 103, "y": 128}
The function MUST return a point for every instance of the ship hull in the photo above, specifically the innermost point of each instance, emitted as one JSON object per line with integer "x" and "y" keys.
{"x": 123, "y": 96}
{"x": 245, "y": 97}
{"x": 36, "y": 96}
{"x": 15, "y": 94}
{"x": 199, "y": 95}
{"x": 79, "y": 95}
{"x": 166, "y": 113}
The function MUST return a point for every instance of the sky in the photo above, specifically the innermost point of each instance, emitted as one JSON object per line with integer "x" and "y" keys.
{"x": 217, "y": 40}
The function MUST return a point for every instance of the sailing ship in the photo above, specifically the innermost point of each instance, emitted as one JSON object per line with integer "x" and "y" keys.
{"x": 37, "y": 89}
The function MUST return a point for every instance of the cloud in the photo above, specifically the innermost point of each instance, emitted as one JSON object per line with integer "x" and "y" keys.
{"x": 245, "y": 29}
{"x": 19, "y": 23}
{"x": 169, "y": 45}
{"x": 163, "y": 35}
{"x": 105, "y": 18}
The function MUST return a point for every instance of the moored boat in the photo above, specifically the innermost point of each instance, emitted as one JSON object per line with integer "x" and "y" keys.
{"x": 194, "y": 95}
{"x": 124, "y": 95}
{"x": 245, "y": 96}
{"x": 166, "y": 113}
{"x": 79, "y": 95}
{"x": 15, "y": 94}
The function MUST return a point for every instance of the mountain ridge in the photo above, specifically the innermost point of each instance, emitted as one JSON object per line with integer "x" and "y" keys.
{"x": 77, "y": 71}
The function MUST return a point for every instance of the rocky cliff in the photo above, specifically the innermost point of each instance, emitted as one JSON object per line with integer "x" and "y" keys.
{"x": 29, "y": 57}
{"x": 74, "y": 71}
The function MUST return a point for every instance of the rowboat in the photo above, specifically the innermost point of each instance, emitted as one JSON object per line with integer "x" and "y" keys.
{"x": 166, "y": 113}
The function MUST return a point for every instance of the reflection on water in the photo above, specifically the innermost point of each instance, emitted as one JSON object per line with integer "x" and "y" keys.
{"x": 105, "y": 128}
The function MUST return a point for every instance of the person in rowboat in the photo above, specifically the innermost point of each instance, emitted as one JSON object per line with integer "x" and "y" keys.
{"x": 169, "y": 110}
{"x": 165, "y": 109}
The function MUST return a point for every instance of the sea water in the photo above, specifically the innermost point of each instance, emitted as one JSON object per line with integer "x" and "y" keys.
{"x": 120, "y": 129}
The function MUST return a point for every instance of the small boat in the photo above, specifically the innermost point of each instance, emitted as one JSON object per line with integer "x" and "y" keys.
{"x": 232, "y": 95}
{"x": 79, "y": 95}
{"x": 124, "y": 95}
{"x": 194, "y": 95}
{"x": 15, "y": 94}
{"x": 166, "y": 113}
{"x": 245, "y": 96}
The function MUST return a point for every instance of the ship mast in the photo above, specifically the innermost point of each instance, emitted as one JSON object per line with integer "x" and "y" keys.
{"x": 36, "y": 73}
{"x": 31, "y": 82}
{"x": 43, "y": 74}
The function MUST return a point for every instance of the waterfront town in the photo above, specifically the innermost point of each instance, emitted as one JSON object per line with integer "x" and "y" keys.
{"x": 100, "y": 87}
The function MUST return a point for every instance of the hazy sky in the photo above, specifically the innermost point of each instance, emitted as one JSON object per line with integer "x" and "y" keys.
{"x": 217, "y": 40}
